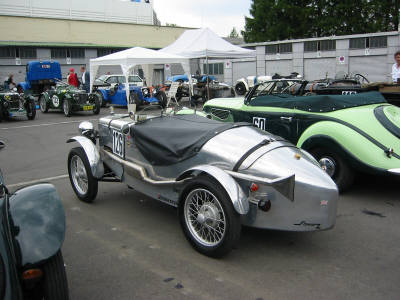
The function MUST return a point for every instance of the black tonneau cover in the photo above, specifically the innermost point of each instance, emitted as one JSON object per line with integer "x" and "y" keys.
{"x": 319, "y": 103}
{"x": 170, "y": 139}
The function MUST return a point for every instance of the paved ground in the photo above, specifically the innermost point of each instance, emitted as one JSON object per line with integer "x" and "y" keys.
{"x": 126, "y": 246}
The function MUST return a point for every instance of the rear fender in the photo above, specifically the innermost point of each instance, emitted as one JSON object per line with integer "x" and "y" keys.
{"x": 232, "y": 188}
{"x": 92, "y": 154}
{"x": 37, "y": 223}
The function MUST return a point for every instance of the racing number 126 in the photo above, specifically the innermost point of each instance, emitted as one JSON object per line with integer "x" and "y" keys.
{"x": 118, "y": 143}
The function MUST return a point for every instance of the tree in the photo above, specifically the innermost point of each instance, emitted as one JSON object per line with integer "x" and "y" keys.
{"x": 284, "y": 19}
{"x": 234, "y": 34}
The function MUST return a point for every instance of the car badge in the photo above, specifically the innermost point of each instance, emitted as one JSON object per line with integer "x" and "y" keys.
{"x": 297, "y": 156}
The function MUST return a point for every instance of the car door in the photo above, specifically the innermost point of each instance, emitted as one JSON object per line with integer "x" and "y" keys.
{"x": 278, "y": 120}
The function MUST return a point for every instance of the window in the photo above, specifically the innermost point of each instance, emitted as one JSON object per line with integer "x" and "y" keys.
{"x": 7, "y": 52}
{"x": 311, "y": 46}
{"x": 19, "y": 52}
{"x": 271, "y": 49}
{"x": 77, "y": 53}
{"x": 279, "y": 48}
{"x": 27, "y": 52}
{"x": 58, "y": 53}
{"x": 214, "y": 69}
{"x": 378, "y": 42}
{"x": 327, "y": 45}
{"x": 106, "y": 51}
{"x": 358, "y": 43}
{"x": 324, "y": 45}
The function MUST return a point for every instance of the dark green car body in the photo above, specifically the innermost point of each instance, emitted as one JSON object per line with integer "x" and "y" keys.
{"x": 14, "y": 105}
{"x": 68, "y": 99}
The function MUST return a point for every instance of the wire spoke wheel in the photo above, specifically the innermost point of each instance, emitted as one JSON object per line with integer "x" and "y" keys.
{"x": 205, "y": 217}
{"x": 79, "y": 175}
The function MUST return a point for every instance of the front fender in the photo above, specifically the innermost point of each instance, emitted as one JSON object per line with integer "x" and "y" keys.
{"x": 37, "y": 222}
{"x": 226, "y": 181}
{"x": 104, "y": 93}
{"x": 367, "y": 153}
{"x": 25, "y": 85}
{"x": 92, "y": 154}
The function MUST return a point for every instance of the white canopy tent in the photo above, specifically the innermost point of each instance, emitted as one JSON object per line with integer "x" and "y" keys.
{"x": 204, "y": 43}
{"x": 132, "y": 57}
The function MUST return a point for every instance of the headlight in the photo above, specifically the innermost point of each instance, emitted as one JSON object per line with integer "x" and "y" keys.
{"x": 145, "y": 92}
{"x": 76, "y": 96}
{"x": 5, "y": 104}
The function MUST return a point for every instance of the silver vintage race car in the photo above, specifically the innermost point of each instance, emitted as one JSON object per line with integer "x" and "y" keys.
{"x": 218, "y": 175}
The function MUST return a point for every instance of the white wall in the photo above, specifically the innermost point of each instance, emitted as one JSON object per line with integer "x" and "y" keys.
{"x": 94, "y": 10}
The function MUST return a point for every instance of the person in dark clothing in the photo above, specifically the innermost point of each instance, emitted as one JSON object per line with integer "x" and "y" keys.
{"x": 10, "y": 81}
{"x": 85, "y": 79}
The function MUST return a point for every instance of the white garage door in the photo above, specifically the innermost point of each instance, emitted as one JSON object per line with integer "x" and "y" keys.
{"x": 318, "y": 68}
{"x": 281, "y": 67}
{"x": 372, "y": 67}
{"x": 243, "y": 69}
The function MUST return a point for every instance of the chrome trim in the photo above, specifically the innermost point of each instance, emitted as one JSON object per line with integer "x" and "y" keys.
{"x": 92, "y": 154}
{"x": 139, "y": 171}
{"x": 234, "y": 191}
{"x": 394, "y": 171}
{"x": 285, "y": 184}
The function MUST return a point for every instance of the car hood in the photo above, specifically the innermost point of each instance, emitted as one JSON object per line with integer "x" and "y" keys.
{"x": 232, "y": 103}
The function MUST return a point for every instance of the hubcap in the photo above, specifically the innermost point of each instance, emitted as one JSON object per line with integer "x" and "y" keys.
{"x": 328, "y": 165}
{"x": 205, "y": 217}
{"x": 79, "y": 175}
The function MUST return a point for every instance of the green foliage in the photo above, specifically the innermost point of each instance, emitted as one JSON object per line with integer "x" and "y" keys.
{"x": 234, "y": 34}
{"x": 292, "y": 19}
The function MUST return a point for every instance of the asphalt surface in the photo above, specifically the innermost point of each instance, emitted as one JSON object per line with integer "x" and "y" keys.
{"x": 127, "y": 246}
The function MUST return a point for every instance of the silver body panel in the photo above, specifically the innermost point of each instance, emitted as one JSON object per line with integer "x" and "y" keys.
{"x": 302, "y": 196}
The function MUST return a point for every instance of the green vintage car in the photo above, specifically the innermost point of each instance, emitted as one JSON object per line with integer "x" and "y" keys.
{"x": 14, "y": 105}
{"x": 69, "y": 99}
{"x": 345, "y": 133}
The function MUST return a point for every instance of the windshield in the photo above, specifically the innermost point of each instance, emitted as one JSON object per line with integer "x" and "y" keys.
{"x": 134, "y": 78}
{"x": 275, "y": 88}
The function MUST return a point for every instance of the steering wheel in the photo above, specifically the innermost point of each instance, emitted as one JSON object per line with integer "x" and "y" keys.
{"x": 361, "y": 78}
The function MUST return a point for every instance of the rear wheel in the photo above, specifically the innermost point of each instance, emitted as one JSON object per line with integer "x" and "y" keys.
{"x": 55, "y": 284}
{"x": 335, "y": 166}
{"x": 31, "y": 110}
{"x": 240, "y": 88}
{"x": 162, "y": 99}
{"x": 44, "y": 108}
{"x": 83, "y": 183}
{"x": 208, "y": 218}
{"x": 67, "y": 109}
{"x": 97, "y": 105}
{"x": 99, "y": 95}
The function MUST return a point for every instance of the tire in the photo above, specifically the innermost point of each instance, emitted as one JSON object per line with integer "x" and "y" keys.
{"x": 31, "y": 110}
{"x": 240, "y": 88}
{"x": 67, "y": 109}
{"x": 134, "y": 99}
{"x": 1, "y": 113}
{"x": 80, "y": 175}
{"x": 103, "y": 103}
{"x": 219, "y": 208}
{"x": 44, "y": 107}
{"x": 55, "y": 284}
{"x": 162, "y": 99}
{"x": 97, "y": 104}
{"x": 341, "y": 173}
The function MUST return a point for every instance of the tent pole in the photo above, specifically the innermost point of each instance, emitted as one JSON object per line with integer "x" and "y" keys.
{"x": 208, "y": 72}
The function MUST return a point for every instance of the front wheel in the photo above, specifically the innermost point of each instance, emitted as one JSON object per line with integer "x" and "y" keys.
{"x": 67, "y": 109}
{"x": 31, "y": 110}
{"x": 80, "y": 175}
{"x": 335, "y": 166}
{"x": 55, "y": 284}
{"x": 44, "y": 108}
{"x": 208, "y": 218}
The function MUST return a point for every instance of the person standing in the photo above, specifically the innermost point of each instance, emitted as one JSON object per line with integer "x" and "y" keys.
{"x": 85, "y": 79}
{"x": 396, "y": 68}
{"x": 73, "y": 78}
{"x": 10, "y": 81}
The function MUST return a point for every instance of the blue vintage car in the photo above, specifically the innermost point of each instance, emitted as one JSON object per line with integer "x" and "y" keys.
{"x": 40, "y": 76}
{"x": 197, "y": 78}
{"x": 111, "y": 90}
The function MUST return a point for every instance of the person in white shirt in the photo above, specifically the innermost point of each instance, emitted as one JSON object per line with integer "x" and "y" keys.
{"x": 396, "y": 68}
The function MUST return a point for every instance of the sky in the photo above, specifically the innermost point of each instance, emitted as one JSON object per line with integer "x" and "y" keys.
{"x": 218, "y": 15}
